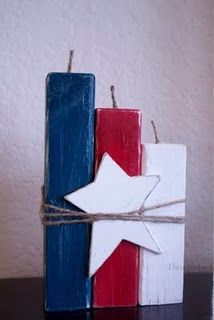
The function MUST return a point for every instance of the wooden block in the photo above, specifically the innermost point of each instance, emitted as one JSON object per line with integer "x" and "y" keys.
{"x": 161, "y": 276}
{"x": 118, "y": 132}
{"x": 68, "y": 166}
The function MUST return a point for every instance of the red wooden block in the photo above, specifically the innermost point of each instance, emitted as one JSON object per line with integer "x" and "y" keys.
{"x": 118, "y": 132}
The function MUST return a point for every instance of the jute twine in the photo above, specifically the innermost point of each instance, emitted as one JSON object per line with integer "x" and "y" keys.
{"x": 59, "y": 216}
{"x": 69, "y": 69}
{"x": 155, "y": 132}
{"x": 114, "y": 103}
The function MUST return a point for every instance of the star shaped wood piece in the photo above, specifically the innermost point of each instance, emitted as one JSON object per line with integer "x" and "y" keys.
{"x": 113, "y": 191}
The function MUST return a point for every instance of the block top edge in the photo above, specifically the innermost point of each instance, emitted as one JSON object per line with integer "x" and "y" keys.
{"x": 128, "y": 109}
{"x": 71, "y": 74}
{"x": 162, "y": 145}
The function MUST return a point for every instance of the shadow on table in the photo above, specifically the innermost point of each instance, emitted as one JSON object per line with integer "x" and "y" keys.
{"x": 170, "y": 312}
{"x": 197, "y": 306}
{"x": 22, "y": 299}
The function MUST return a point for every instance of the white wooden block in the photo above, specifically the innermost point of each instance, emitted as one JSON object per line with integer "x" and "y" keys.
{"x": 161, "y": 276}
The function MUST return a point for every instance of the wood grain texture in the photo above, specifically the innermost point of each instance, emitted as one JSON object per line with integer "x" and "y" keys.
{"x": 118, "y": 132}
{"x": 68, "y": 166}
{"x": 161, "y": 276}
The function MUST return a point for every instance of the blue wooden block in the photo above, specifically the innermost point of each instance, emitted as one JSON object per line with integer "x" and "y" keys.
{"x": 69, "y": 166}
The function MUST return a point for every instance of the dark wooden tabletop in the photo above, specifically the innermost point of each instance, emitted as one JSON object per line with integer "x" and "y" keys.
{"x": 23, "y": 298}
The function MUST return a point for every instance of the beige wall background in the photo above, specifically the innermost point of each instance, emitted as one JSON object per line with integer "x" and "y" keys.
{"x": 159, "y": 56}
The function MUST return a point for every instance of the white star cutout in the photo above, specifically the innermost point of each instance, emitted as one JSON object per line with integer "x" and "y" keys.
{"x": 113, "y": 191}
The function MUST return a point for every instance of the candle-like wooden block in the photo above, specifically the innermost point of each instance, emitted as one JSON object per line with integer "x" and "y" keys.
{"x": 68, "y": 167}
{"x": 161, "y": 276}
{"x": 118, "y": 132}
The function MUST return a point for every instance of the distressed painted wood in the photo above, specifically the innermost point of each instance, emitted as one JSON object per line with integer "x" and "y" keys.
{"x": 118, "y": 132}
{"x": 113, "y": 191}
{"x": 161, "y": 276}
{"x": 68, "y": 166}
